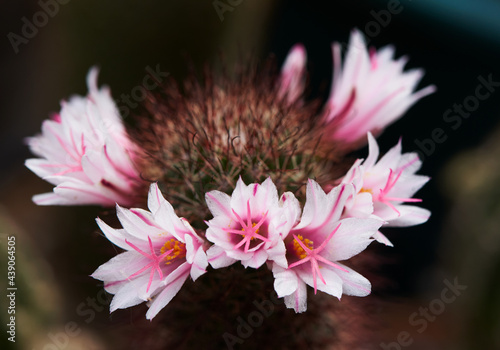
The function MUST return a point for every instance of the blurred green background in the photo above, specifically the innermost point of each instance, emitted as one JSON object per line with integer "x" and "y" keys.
{"x": 57, "y": 247}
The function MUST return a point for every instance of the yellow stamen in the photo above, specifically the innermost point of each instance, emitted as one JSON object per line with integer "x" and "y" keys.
{"x": 366, "y": 190}
{"x": 178, "y": 247}
{"x": 299, "y": 251}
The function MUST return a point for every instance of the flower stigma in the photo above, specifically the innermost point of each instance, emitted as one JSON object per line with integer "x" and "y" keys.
{"x": 312, "y": 255}
{"x": 250, "y": 228}
{"x": 253, "y": 231}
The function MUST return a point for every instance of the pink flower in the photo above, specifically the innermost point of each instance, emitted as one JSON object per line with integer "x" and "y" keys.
{"x": 382, "y": 188}
{"x": 249, "y": 225}
{"x": 293, "y": 74}
{"x": 162, "y": 250}
{"x": 317, "y": 243}
{"x": 369, "y": 92}
{"x": 85, "y": 152}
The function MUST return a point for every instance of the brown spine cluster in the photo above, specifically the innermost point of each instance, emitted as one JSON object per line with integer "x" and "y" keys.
{"x": 204, "y": 135}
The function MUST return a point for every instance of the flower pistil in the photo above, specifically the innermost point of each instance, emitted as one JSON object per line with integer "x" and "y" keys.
{"x": 249, "y": 230}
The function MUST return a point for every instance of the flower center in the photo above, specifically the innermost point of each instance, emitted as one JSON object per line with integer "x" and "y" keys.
{"x": 299, "y": 251}
{"x": 252, "y": 231}
{"x": 178, "y": 247}
{"x": 249, "y": 230}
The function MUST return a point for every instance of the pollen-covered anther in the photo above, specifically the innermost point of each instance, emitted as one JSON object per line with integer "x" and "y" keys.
{"x": 299, "y": 251}
{"x": 366, "y": 190}
{"x": 178, "y": 250}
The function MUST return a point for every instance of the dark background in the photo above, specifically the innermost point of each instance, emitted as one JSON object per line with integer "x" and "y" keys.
{"x": 456, "y": 42}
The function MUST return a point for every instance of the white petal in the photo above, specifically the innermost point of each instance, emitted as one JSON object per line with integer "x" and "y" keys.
{"x": 124, "y": 298}
{"x": 43, "y": 168}
{"x": 291, "y": 213}
{"x": 355, "y": 175}
{"x": 353, "y": 283}
{"x": 373, "y": 152}
{"x": 391, "y": 159}
{"x": 257, "y": 259}
{"x": 137, "y": 225}
{"x": 190, "y": 231}
{"x": 166, "y": 218}
{"x": 379, "y": 237}
{"x": 218, "y": 236}
{"x": 92, "y": 78}
{"x": 322, "y": 211}
{"x": 218, "y": 203}
{"x": 121, "y": 267}
{"x": 155, "y": 198}
{"x": 93, "y": 166}
{"x": 352, "y": 237}
{"x": 181, "y": 270}
{"x": 170, "y": 290}
{"x": 285, "y": 281}
{"x": 128, "y": 295}
{"x": 410, "y": 216}
{"x": 199, "y": 264}
{"x": 240, "y": 196}
{"x": 292, "y": 79}
{"x": 218, "y": 258}
{"x": 407, "y": 186}
{"x": 277, "y": 253}
{"x": 298, "y": 299}
{"x": 410, "y": 162}
{"x": 333, "y": 284}
{"x": 361, "y": 206}
{"x": 83, "y": 194}
{"x": 117, "y": 237}
{"x": 190, "y": 248}
{"x": 51, "y": 198}
{"x": 118, "y": 154}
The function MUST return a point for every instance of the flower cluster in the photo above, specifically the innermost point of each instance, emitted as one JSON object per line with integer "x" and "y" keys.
{"x": 302, "y": 229}
{"x": 255, "y": 226}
